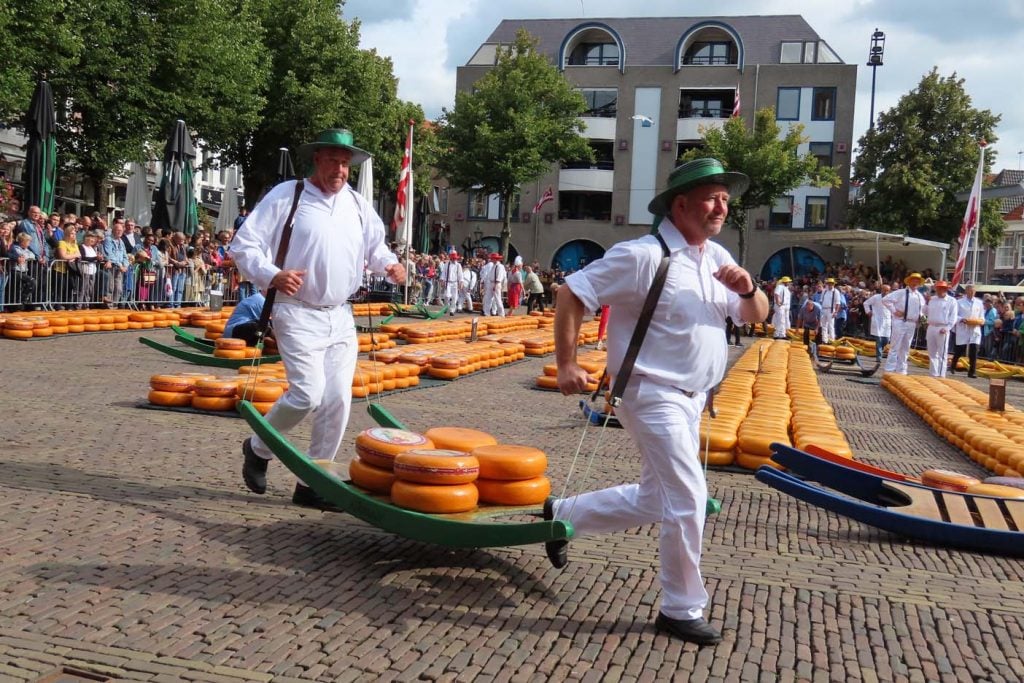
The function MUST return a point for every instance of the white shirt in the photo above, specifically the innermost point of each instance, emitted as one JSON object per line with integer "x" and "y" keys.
{"x": 451, "y": 273}
{"x": 906, "y": 304}
{"x": 881, "y": 316}
{"x": 781, "y": 296}
{"x": 493, "y": 273}
{"x": 969, "y": 308}
{"x": 468, "y": 278}
{"x": 830, "y": 301}
{"x": 685, "y": 346}
{"x": 941, "y": 311}
{"x": 333, "y": 238}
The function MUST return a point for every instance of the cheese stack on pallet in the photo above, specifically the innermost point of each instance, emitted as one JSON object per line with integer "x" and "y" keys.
{"x": 813, "y": 421}
{"x": 594, "y": 362}
{"x": 769, "y": 416}
{"x": 512, "y": 475}
{"x": 373, "y": 468}
{"x": 375, "y": 341}
{"x": 732, "y": 403}
{"x": 440, "y": 479}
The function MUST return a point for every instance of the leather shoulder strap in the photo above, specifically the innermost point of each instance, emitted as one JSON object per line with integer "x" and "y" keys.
{"x": 282, "y": 252}
{"x": 642, "y": 323}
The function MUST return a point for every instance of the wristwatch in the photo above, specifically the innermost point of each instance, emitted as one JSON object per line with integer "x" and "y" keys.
{"x": 750, "y": 294}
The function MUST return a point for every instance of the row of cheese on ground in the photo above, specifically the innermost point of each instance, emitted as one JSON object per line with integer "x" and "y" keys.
{"x": 594, "y": 362}
{"x": 771, "y": 394}
{"x": 446, "y": 469}
{"x": 959, "y": 413}
{"x": 49, "y": 323}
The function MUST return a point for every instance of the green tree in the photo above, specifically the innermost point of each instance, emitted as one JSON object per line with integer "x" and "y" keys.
{"x": 770, "y": 160}
{"x": 918, "y": 156}
{"x": 520, "y": 118}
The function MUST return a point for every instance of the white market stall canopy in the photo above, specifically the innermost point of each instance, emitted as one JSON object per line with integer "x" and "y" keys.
{"x": 871, "y": 246}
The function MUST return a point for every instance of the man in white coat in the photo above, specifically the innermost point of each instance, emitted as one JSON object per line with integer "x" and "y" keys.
{"x": 970, "y": 316}
{"x": 335, "y": 232}
{"x": 906, "y": 305}
{"x": 831, "y": 300}
{"x": 450, "y": 277}
{"x": 941, "y": 312}
{"x": 781, "y": 299}
{"x": 468, "y": 287}
{"x": 881, "y": 319}
{"x": 492, "y": 282}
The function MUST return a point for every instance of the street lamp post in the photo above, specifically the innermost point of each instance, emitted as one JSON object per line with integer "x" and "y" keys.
{"x": 875, "y": 61}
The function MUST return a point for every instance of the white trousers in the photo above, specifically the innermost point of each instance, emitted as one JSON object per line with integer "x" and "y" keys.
{"x": 780, "y": 319}
{"x": 465, "y": 301}
{"x": 938, "y": 347}
{"x": 828, "y": 327}
{"x": 319, "y": 349}
{"x": 493, "y": 305}
{"x": 450, "y": 296}
{"x": 664, "y": 424}
{"x": 899, "y": 346}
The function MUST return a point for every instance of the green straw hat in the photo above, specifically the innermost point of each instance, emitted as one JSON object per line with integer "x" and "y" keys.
{"x": 334, "y": 137}
{"x": 694, "y": 173}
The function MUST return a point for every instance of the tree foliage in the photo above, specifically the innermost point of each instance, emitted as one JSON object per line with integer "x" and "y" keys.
{"x": 771, "y": 161}
{"x": 520, "y": 118}
{"x": 919, "y": 155}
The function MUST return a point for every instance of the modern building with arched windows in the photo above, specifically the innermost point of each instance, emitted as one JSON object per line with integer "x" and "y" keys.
{"x": 653, "y": 86}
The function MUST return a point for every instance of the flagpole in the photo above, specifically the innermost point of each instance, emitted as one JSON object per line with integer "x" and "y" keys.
{"x": 408, "y": 215}
{"x": 977, "y": 232}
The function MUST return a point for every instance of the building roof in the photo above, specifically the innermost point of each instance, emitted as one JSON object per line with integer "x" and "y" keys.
{"x": 652, "y": 41}
{"x": 1010, "y": 205}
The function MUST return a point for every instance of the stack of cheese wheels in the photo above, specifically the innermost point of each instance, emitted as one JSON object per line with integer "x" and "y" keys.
{"x": 373, "y": 468}
{"x": 435, "y": 481}
{"x": 769, "y": 416}
{"x": 592, "y": 361}
{"x": 459, "y": 438}
{"x": 262, "y": 392}
{"x": 215, "y": 394}
{"x": 512, "y": 475}
{"x": 172, "y": 390}
{"x": 229, "y": 347}
{"x": 18, "y": 328}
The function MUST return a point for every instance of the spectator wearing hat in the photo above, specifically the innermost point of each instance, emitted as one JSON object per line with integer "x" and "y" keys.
{"x": 941, "y": 313}
{"x": 450, "y": 277}
{"x": 313, "y": 323}
{"x": 492, "y": 282}
{"x": 780, "y": 298}
{"x": 881, "y": 319}
{"x": 683, "y": 356}
{"x": 907, "y": 306}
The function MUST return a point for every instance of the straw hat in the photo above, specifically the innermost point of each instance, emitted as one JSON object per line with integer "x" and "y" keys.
{"x": 692, "y": 174}
{"x": 913, "y": 276}
{"x": 334, "y": 137}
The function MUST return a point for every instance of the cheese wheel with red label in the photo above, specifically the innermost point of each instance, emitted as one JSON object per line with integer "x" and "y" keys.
{"x": 459, "y": 438}
{"x": 171, "y": 383}
{"x": 373, "y": 479}
{"x": 948, "y": 480}
{"x": 510, "y": 463}
{"x": 216, "y": 387}
{"x": 436, "y": 466}
{"x": 434, "y": 499}
{"x": 522, "y": 492}
{"x": 379, "y": 446}
{"x": 229, "y": 343}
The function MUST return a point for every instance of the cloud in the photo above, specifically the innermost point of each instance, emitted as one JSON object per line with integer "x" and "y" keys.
{"x": 374, "y": 11}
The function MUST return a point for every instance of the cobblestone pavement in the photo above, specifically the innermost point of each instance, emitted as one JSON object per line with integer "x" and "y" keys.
{"x": 132, "y": 549}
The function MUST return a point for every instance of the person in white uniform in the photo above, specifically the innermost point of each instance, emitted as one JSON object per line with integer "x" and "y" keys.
{"x": 968, "y": 334}
{"x": 468, "y": 286}
{"x": 941, "y": 314}
{"x": 492, "y": 282}
{"x": 906, "y": 305}
{"x": 781, "y": 298}
{"x": 881, "y": 319}
{"x": 830, "y": 302}
{"x": 335, "y": 232}
{"x": 450, "y": 277}
{"x": 683, "y": 356}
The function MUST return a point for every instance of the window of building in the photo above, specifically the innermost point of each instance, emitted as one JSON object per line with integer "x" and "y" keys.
{"x": 788, "y": 107}
{"x": 601, "y": 102}
{"x": 782, "y": 213}
{"x": 515, "y": 208}
{"x": 809, "y": 52}
{"x": 710, "y": 53}
{"x": 826, "y": 55}
{"x": 684, "y": 147}
{"x": 823, "y": 152}
{"x": 477, "y": 204}
{"x": 823, "y": 104}
{"x": 604, "y": 156}
{"x": 1006, "y": 253}
{"x": 706, "y": 104}
{"x": 584, "y": 206}
{"x": 595, "y": 54}
{"x": 443, "y": 200}
{"x": 816, "y": 215}
{"x": 791, "y": 53}
{"x": 487, "y": 206}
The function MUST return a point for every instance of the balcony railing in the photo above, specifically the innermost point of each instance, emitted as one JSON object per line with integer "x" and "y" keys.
{"x": 704, "y": 112}
{"x": 704, "y": 60}
{"x": 601, "y": 165}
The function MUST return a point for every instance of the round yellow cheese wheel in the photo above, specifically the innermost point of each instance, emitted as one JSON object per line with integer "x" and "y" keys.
{"x": 373, "y": 479}
{"x": 523, "y": 492}
{"x": 945, "y": 479}
{"x": 379, "y": 446}
{"x": 510, "y": 463}
{"x": 169, "y": 398}
{"x": 434, "y": 499}
{"x": 459, "y": 438}
{"x": 436, "y": 466}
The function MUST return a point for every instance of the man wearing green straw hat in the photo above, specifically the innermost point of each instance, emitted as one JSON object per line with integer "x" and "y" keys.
{"x": 682, "y": 356}
{"x": 335, "y": 232}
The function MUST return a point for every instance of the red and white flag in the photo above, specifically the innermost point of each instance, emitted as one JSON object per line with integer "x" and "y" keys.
{"x": 544, "y": 199}
{"x": 402, "y": 221}
{"x": 972, "y": 218}
{"x": 736, "y": 103}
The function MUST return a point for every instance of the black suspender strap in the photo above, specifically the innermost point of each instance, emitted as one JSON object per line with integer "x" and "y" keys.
{"x": 282, "y": 252}
{"x": 642, "y": 323}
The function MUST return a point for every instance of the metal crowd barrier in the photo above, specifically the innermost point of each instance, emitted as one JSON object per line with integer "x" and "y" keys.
{"x": 64, "y": 285}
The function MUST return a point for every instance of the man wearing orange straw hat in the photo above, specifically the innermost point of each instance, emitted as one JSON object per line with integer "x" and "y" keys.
{"x": 941, "y": 312}
{"x": 907, "y": 305}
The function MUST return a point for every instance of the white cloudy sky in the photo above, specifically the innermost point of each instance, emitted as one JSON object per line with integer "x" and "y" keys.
{"x": 982, "y": 41}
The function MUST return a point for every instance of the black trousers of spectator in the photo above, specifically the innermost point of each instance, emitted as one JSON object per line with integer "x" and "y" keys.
{"x": 732, "y": 330}
{"x": 807, "y": 335}
{"x": 972, "y": 357}
{"x": 537, "y": 299}
{"x": 249, "y": 332}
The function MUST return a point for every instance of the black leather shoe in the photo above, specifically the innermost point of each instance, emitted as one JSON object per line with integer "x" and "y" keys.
{"x": 691, "y": 630}
{"x": 306, "y": 497}
{"x": 254, "y": 469}
{"x": 557, "y": 551}
{"x": 972, "y": 375}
